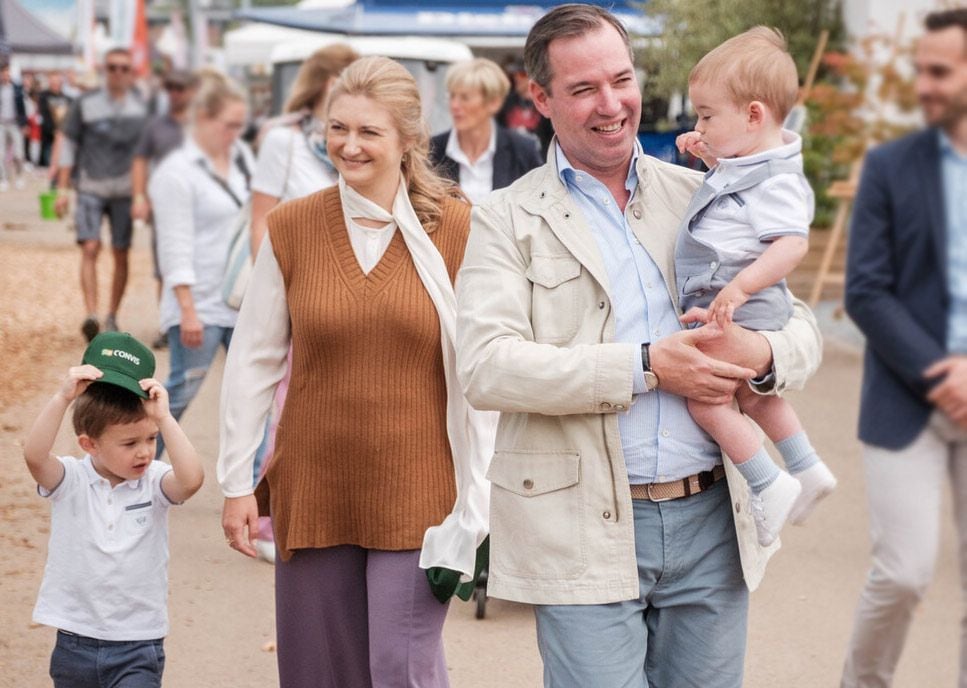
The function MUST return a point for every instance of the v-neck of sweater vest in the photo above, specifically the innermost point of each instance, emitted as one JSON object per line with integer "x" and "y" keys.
{"x": 345, "y": 258}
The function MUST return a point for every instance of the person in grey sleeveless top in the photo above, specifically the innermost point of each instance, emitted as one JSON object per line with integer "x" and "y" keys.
{"x": 745, "y": 230}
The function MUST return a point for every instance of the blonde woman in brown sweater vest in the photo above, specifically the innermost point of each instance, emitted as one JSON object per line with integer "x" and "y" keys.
{"x": 379, "y": 460}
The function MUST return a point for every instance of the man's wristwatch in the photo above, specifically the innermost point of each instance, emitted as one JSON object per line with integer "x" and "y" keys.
{"x": 651, "y": 380}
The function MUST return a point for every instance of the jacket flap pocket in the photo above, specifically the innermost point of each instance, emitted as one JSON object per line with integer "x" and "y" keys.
{"x": 534, "y": 473}
{"x": 550, "y": 271}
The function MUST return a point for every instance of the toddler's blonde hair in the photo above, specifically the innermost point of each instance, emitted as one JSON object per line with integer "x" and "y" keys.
{"x": 754, "y": 65}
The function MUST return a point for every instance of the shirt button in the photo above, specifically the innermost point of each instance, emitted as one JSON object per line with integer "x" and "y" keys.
{"x": 606, "y": 515}
{"x": 712, "y": 264}
{"x": 606, "y": 201}
{"x": 665, "y": 433}
{"x": 528, "y": 484}
{"x": 110, "y": 526}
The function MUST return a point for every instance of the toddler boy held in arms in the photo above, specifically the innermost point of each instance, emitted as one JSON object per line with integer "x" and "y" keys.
{"x": 105, "y": 586}
{"x": 744, "y": 231}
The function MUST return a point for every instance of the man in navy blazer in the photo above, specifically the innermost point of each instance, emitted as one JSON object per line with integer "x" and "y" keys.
{"x": 906, "y": 289}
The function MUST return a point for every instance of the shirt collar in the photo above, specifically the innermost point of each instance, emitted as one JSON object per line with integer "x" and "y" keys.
{"x": 93, "y": 477}
{"x": 947, "y": 147}
{"x": 791, "y": 146}
{"x": 454, "y": 152}
{"x": 196, "y": 154}
{"x": 566, "y": 171}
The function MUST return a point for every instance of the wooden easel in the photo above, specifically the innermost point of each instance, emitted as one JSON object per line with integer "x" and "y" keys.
{"x": 844, "y": 191}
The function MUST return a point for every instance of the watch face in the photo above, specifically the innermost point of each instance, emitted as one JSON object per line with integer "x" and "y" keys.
{"x": 651, "y": 380}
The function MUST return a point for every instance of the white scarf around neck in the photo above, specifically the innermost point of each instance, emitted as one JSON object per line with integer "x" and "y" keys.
{"x": 453, "y": 543}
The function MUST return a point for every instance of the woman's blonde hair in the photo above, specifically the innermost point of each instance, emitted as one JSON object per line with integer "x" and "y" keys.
{"x": 215, "y": 91}
{"x": 479, "y": 74}
{"x": 388, "y": 83}
{"x": 312, "y": 81}
{"x": 754, "y": 65}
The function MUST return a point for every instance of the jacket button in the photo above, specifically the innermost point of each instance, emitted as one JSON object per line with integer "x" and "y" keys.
{"x": 605, "y": 405}
{"x": 637, "y": 213}
{"x": 528, "y": 484}
{"x": 738, "y": 508}
{"x": 601, "y": 304}
{"x": 606, "y": 515}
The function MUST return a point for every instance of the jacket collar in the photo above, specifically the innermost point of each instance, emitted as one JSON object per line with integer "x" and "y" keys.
{"x": 552, "y": 202}
{"x": 931, "y": 188}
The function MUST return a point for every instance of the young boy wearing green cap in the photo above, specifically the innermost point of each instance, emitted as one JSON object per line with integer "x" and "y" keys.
{"x": 105, "y": 586}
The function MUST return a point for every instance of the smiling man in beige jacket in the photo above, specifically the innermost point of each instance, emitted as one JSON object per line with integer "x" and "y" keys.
{"x": 608, "y": 508}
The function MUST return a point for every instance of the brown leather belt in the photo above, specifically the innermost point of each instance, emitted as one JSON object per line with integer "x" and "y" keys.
{"x": 676, "y": 489}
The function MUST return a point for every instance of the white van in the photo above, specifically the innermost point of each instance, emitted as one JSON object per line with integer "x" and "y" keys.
{"x": 425, "y": 58}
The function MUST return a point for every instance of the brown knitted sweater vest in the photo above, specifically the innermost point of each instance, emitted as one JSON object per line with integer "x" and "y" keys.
{"x": 362, "y": 455}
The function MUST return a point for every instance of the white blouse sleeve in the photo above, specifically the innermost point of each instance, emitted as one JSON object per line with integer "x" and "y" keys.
{"x": 274, "y": 159}
{"x": 255, "y": 365}
{"x": 172, "y": 198}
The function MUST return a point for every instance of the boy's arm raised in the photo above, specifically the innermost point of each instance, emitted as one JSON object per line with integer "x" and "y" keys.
{"x": 187, "y": 474}
{"x": 43, "y": 466}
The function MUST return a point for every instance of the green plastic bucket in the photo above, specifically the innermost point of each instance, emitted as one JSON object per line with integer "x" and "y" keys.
{"x": 48, "y": 202}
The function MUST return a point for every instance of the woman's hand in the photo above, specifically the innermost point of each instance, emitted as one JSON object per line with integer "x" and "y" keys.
{"x": 240, "y": 522}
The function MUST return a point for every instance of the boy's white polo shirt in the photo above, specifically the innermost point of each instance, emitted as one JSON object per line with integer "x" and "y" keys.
{"x": 107, "y": 560}
{"x": 740, "y": 227}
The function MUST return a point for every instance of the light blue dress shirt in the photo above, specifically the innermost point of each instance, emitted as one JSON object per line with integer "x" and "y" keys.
{"x": 954, "y": 173}
{"x": 660, "y": 440}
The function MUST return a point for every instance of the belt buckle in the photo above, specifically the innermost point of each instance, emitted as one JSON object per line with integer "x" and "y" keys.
{"x": 653, "y": 498}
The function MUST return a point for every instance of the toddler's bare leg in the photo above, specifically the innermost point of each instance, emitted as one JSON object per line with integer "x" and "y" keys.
{"x": 773, "y": 414}
{"x": 728, "y": 427}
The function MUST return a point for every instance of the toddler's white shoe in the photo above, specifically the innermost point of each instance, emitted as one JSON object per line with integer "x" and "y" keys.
{"x": 771, "y": 507}
{"x": 19, "y": 184}
{"x": 4, "y": 185}
{"x": 817, "y": 482}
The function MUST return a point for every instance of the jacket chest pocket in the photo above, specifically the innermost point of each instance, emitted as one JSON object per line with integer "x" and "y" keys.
{"x": 536, "y": 515}
{"x": 554, "y": 299}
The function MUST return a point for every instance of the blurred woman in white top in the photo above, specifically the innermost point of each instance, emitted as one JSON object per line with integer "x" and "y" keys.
{"x": 197, "y": 193}
{"x": 292, "y": 163}
{"x": 292, "y": 158}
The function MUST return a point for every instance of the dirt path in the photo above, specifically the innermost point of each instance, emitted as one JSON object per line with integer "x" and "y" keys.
{"x": 221, "y": 604}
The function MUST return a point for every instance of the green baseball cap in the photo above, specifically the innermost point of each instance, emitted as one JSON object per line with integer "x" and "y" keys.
{"x": 123, "y": 359}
